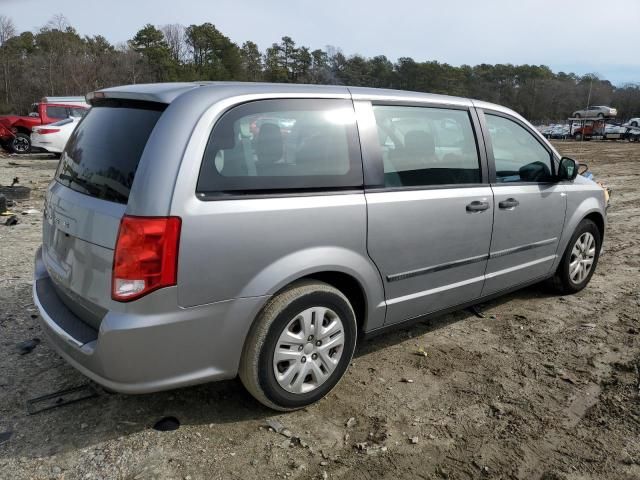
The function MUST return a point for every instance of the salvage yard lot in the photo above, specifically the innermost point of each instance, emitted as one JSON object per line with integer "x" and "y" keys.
{"x": 543, "y": 387}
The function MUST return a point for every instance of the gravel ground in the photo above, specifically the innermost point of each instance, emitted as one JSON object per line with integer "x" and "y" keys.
{"x": 543, "y": 387}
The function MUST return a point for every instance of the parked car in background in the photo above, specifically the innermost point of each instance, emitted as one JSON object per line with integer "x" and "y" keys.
{"x": 634, "y": 122}
{"x": 559, "y": 132}
{"x": 53, "y": 137}
{"x": 600, "y": 111}
{"x": 15, "y": 130}
{"x": 180, "y": 246}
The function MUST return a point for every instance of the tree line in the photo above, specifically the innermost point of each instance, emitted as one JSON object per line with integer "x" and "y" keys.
{"x": 57, "y": 60}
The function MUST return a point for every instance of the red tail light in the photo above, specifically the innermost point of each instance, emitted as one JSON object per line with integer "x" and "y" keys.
{"x": 146, "y": 256}
{"x": 44, "y": 131}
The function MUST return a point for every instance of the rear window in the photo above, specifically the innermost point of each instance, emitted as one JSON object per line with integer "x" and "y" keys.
{"x": 102, "y": 154}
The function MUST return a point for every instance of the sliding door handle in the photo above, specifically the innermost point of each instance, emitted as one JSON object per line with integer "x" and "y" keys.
{"x": 477, "y": 206}
{"x": 509, "y": 203}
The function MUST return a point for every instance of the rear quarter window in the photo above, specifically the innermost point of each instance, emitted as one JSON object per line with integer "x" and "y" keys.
{"x": 282, "y": 145}
{"x": 103, "y": 153}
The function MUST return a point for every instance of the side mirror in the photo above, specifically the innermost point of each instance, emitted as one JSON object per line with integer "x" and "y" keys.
{"x": 568, "y": 169}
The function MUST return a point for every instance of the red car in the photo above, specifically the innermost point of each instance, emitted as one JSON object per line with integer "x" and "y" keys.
{"x": 15, "y": 130}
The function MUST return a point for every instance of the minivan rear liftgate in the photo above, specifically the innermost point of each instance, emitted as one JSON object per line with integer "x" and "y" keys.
{"x": 84, "y": 207}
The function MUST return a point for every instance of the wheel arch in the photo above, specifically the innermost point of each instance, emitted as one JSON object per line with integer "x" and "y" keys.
{"x": 582, "y": 205}
{"x": 350, "y": 272}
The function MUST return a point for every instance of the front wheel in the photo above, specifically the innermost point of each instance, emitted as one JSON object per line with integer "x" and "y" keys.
{"x": 579, "y": 260}
{"x": 299, "y": 347}
{"x": 21, "y": 143}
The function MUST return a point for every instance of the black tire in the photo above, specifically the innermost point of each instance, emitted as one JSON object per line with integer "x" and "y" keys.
{"x": 576, "y": 115}
{"x": 257, "y": 363}
{"x": 577, "y": 137}
{"x": 601, "y": 115}
{"x": 21, "y": 143}
{"x": 634, "y": 124}
{"x": 562, "y": 281}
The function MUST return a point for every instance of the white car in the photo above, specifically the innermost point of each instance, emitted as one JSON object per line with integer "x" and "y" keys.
{"x": 599, "y": 111}
{"x": 53, "y": 137}
{"x": 634, "y": 122}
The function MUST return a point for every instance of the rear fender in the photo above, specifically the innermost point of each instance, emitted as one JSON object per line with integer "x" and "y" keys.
{"x": 307, "y": 262}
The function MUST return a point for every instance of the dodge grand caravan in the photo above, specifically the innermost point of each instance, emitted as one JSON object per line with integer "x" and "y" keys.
{"x": 195, "y": 232}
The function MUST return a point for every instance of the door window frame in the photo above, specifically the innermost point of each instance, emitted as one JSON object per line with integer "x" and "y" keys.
{"x": 489, "y": 147}
{"x": 372, "y": 151}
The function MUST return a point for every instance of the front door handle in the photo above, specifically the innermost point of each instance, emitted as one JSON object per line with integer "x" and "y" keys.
{"x": 509, "y": 203}
{"x": 477, "y": 206}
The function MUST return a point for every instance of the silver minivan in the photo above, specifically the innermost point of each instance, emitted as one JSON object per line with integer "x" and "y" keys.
{"x": 199, "y": 231}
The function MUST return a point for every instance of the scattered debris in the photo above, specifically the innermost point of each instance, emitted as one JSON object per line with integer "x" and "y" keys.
{"x": 60, "y": 398}
{"x": 11, "y": 221}
{"x": 567, "y": 377}
{"x": 27, "y": 346}
{"x": 30, "y": 211}
{"x": 476, "y": 311}
{"x": 350, "y": 423}
{"x": 406, "y": 380}
{"x": 278, "y": 427}
{"x": 421, "y": 352}
{"x": 167, "y": 424}
{"x": 369, "y": 449}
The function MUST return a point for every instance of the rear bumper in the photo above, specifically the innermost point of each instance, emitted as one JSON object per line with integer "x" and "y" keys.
{"x": 140, "y": 353}
{"x": 46, "y": 146}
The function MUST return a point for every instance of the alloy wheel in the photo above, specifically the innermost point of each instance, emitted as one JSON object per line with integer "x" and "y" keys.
{"x": 308, "y": 350}
{"x": 582, "y": 257}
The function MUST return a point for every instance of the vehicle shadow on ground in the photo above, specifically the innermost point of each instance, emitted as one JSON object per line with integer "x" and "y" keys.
{"x": 420, "y": 327}
{"x": 109, "y": 416}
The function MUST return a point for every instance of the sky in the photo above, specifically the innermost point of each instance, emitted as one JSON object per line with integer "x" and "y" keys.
{"x": 581, "y": 36}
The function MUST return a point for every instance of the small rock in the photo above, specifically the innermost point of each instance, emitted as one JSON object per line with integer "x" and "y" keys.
{"x": 588, "y": 325}
{"x": 324, "y": 463}
{"x": 324, "y": 475}
{"x": 56, "y": 470}
{"x": 406, "y": 380}
{"x": 83, "y": 426}
{"x": 350, "y": 423}
{"x": 414, "y": 440}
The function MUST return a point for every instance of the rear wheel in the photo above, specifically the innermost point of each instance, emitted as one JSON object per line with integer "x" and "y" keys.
{"x": 579, "y": 260}
{"x": 577, "y": 136}
{"x": 634, "y": 124}
{"x": 577, "y": 115}
{"x": 21, "y": 143}
{"x": 601, "y": 115}
{"x": 299, "y": 347}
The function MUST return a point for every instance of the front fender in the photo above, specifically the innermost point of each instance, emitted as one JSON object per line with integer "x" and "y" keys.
{"x": 581, "y": 202}
{"x": 303, "y": 263}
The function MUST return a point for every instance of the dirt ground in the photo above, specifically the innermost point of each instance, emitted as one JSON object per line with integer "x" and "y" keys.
{"x": 543, "y": 387}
